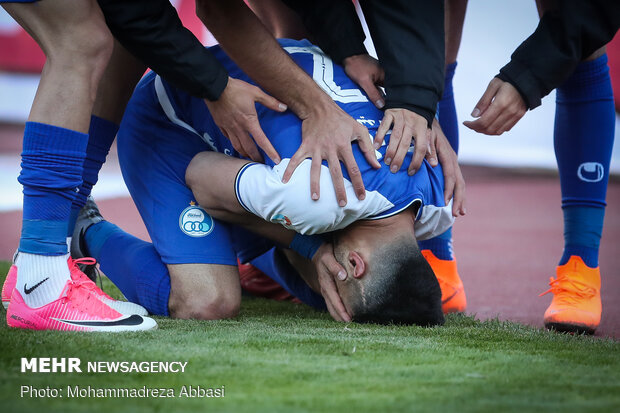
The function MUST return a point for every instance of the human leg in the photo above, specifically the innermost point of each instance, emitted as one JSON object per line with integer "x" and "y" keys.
{"x": 438, "y": 251}
{"x": 583, "y": 140}
{"x": 117, "y": 83}
{"x": 77, "y": 45}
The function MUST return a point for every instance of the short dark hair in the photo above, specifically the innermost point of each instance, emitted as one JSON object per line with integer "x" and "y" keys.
{"x": 400, "y": 288}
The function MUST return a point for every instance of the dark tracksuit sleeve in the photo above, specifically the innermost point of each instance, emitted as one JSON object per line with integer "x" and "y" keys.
{"x": 408, "y": 36}
{"x": 151, "y": 31}
{"x": 334, "y": 26}
{"x": 563, "y": 38}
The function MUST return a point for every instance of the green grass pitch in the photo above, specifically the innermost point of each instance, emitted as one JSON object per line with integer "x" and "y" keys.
{"x": 286, "y": 357}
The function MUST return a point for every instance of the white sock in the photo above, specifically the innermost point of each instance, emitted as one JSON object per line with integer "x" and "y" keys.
{"x": 69, "y": 244}
{"x": 41, "y": 278}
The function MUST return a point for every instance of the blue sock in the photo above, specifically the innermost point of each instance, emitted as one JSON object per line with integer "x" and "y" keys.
{"x": 447, "y": 110}
{"x": 101, "y": 135}
{"x": 133, "y": 265}
{"x": 52, "y": 160}
{"x": 440, "y": 246}
{"x": 583, "y": 140}
{"x": 583, "y": 227}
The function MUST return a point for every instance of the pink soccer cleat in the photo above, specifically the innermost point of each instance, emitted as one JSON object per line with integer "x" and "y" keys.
{"x": 8, "y": 286}
{"x": 123, "y": 307}
{"x": 78, "y": 308}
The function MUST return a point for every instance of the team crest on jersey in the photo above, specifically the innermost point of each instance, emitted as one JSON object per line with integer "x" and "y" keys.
{"x": 281, "y": 219}
{"x": 195, "y": 222}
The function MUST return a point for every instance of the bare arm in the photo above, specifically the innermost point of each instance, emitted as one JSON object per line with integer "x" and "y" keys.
{"x": 218, "y": 197}
{"x": 327, "y": 130}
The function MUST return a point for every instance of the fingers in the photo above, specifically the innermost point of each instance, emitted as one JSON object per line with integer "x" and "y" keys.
{"x": 449, "y": 179}
{"x": 354, "y": 173}
{"x": 421, "y": 147}
{"x": 384, "y": 127}
{"x": 328, "y": 269}
{"x": 431, "y": 153}
{"x": 504, "y": 108}
{"x": 486, "y": 98}
{"x": 454, "y": 184}
{"x": 269, "y": 101}
{"x": 297, "y": 158}
{"x": 330, "y": 308}
{"x": 397, "y": 135}
{"x": 373, "y": 92}
{"x": 458, "y": 206}
{"x": 315, "y": 177}
{"x": 263, "y": 142}
{"x": 495, "y": 121}
{"x": 236, "y": 143}
{"x": 403, "y": 146}
{"x": 332, "y": 298}
{"x": 368, "y": 150}
{"x": 249, "y": 146}
{"x": 483, "y": 123}
{"x": 337, "y": 180}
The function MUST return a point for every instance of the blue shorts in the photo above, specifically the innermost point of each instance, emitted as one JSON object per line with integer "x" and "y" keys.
{"x": 154, "y": 154}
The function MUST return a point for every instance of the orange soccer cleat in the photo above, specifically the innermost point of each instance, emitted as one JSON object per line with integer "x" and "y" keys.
{"x": 255, "y": 282}
{"x": 453, "y": 298}
{"x": 576, "y": 305}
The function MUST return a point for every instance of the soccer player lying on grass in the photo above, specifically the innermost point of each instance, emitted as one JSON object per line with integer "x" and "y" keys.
{"x": 190, "y": 269}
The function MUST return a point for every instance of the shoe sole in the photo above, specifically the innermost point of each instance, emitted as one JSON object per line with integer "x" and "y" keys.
{"x": 570, "y": 328}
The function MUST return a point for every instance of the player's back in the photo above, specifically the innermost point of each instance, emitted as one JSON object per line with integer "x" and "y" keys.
{"x": 282, "y": 129}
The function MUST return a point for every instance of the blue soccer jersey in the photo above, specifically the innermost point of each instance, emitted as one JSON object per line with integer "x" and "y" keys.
{"x": 259, "y": 187}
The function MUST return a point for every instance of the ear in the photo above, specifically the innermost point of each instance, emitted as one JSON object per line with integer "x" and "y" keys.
{"x": 358, "y": 264}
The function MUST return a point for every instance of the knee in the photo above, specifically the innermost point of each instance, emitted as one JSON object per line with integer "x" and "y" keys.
{"x": 90, "y": 44}
{"x": 204, "y": 307}
{"x": 195, "y": 170}
{"x": 195, "y": 180}
{"x": 96, "y": 49}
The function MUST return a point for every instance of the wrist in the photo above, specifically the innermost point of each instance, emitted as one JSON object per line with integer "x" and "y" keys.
{"x": 306, "y": 245}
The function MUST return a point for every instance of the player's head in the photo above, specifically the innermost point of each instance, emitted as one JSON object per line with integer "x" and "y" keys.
{"x": 389, "y": 281}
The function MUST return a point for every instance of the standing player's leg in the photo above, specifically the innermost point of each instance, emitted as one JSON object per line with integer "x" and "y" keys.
{"x": 117, "y": 83}
{"x": 77, "y": 45}
{"x": 583, "y": 140}
{"x": 438, "y": 251}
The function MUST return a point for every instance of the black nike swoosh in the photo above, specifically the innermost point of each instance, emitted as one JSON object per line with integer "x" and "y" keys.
{"x": 29, "y": 290}
{"x": 449, "y": 298}
{"x": 132, "y": 320}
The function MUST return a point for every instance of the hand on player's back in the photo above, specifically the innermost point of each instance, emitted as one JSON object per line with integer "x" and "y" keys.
{"x": 406, "y": 126}
{"x": 454, "y": 184}
{"x": 366, "y": 71}
{"x": 327, "y": 133}
{"x": 235, "y": 114}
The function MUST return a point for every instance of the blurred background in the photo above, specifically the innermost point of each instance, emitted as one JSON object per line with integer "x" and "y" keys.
{"x": 492, "y": 31}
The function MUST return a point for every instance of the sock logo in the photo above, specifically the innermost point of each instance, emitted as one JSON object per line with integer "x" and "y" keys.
{"x": 590, "y": 172}
{"x": 31, "y": 289}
